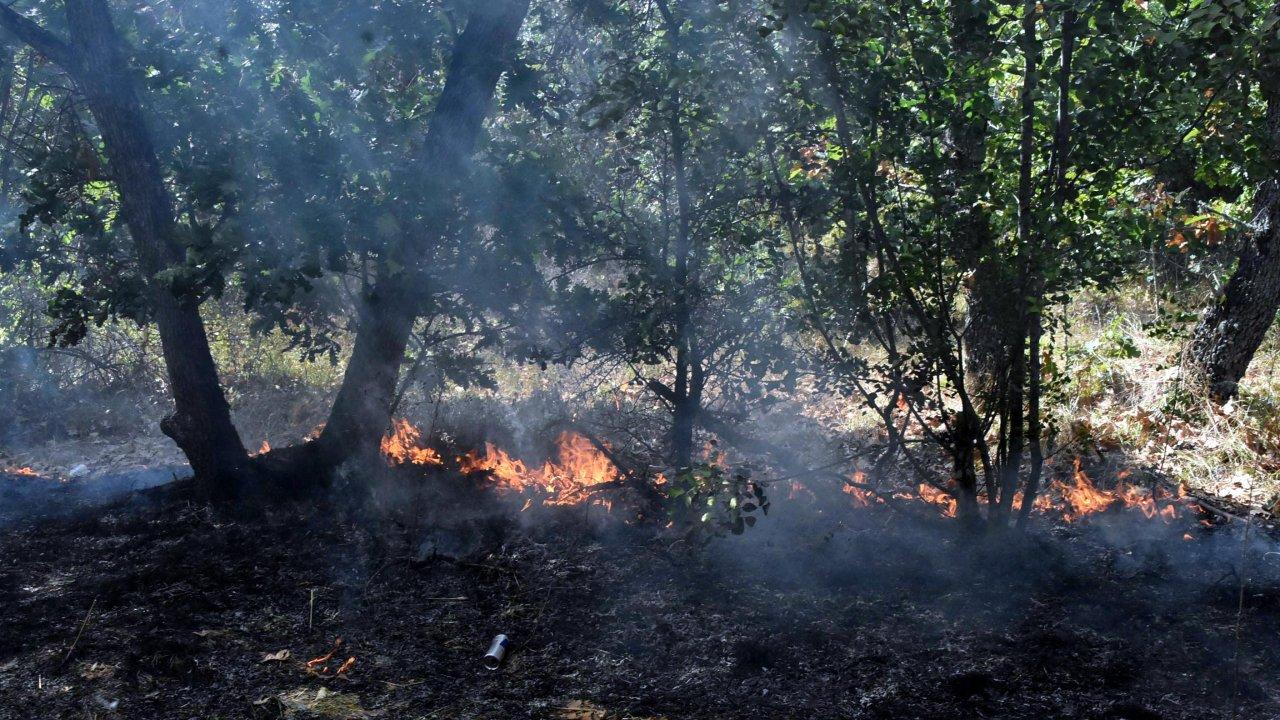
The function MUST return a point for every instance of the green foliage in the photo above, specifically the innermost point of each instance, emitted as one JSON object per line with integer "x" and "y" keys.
{"x": 1114, "y": 342}
{"x": 718, "y": 198}
{"x": 712, "y": 501}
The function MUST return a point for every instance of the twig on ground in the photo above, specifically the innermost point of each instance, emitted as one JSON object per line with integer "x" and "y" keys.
{"x": 83, "y": 624}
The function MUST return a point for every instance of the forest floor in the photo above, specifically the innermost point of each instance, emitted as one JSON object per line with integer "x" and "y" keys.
{"x": 157, "y": 608}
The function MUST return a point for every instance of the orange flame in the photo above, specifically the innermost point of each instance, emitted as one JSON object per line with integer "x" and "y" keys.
{"x": 797, "y": 489}
{"x": 1083, "y": 498}
{"x": 861, "y": 498}
{"x": 944, "y": 501}
{"x": 262, "y": 450}
{"x": 403, "y": 445}
{"x": 25, "y": 471}
{"x": 571, "y": 480}
{"x": 316, "y": 662}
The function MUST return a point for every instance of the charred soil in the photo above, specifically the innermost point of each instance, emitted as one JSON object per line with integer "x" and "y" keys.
{"x": 163, "y": 609}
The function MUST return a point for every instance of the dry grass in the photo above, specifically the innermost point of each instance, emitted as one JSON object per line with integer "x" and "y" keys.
{"x": 1124, "y": 392}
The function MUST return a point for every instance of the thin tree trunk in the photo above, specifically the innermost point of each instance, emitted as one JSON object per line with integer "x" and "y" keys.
{"x": 986, "y": 342}
{"x": 688, "y": 379}
{"x": 1058, "y": 168}
{"x": 1015, "y": 396}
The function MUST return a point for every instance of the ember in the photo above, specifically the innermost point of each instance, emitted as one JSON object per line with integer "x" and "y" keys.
{"x": 403, "y": 446}
{"x": 315, "y": 433}
{"x": 797, "y": 490}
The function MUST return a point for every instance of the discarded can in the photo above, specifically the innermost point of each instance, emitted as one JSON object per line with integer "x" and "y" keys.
{"x": 497, "y": 651}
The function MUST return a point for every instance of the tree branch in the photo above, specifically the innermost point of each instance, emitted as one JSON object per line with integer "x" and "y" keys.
{"x": 41, "y": 40}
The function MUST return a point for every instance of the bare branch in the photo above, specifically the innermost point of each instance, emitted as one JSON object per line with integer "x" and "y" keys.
{"x": 41, "y": 40}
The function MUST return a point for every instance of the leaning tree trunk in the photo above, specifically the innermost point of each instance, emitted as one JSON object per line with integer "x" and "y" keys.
{"x": 362, "y": 410}
{"x": 1231, "y": 331}
{"x": 96, "y": 61}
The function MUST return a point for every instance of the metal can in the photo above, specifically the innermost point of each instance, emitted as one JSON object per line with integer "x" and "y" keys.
{"x": 497, "y": 651}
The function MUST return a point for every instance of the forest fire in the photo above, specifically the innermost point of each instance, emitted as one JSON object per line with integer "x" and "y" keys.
{"x": 24, "y": 471}
{"x": 403, "y": 446}
{"x": 1082, "y": 498}
{"x": 797, "y": 490}
{"x": 856, "y": 487}
{"x": 580, "y": 470}
{"x": 1073, "y": 501}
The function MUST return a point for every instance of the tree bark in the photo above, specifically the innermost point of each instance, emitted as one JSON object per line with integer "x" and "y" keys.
{"x": 1016, "y": 384}
{"x": 96, "y": 61}
{"x": 1231, "y": 331}
{"x": 986, "y": 342}
{"x": 362, "y": 410}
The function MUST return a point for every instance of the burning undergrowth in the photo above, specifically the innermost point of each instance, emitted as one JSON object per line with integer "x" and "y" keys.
{"x": 848, "y": 595}
{"x": 578, "y": 469}
{"x": 819, "y": 611}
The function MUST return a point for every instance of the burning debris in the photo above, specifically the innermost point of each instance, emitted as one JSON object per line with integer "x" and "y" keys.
{"x": 331, "y": 664}
{"x": 941, "y": 499}
{"x": 861, "y": 498}
{"x": 579, "y": 469}
{"x": 1070, "y": 501}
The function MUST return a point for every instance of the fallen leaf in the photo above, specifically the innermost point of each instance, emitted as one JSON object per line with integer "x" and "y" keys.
{"x": 277, "y": 656}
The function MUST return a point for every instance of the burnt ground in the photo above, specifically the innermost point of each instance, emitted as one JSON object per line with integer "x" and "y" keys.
{"x": 160, "y": 608}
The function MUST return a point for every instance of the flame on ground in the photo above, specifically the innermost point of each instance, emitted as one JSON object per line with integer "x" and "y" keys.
{"x": 1082, "y": 498}
{"x": 862, "y": 498}
{"x": 403, "y": 446}
{"x": 24, "y": 471}
{"x": 944, "y": 501}
{"x": 322, "y": 665}
{"x": 573, "y": 479}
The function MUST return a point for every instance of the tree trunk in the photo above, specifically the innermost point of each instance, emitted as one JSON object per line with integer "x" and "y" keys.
{"x": 362, "y": 410}
{"x": 689, "y": 379}
{"x": 1231, "y": 331}
{"x": 986, "y": 342}
{"x": 96, "y": 61}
